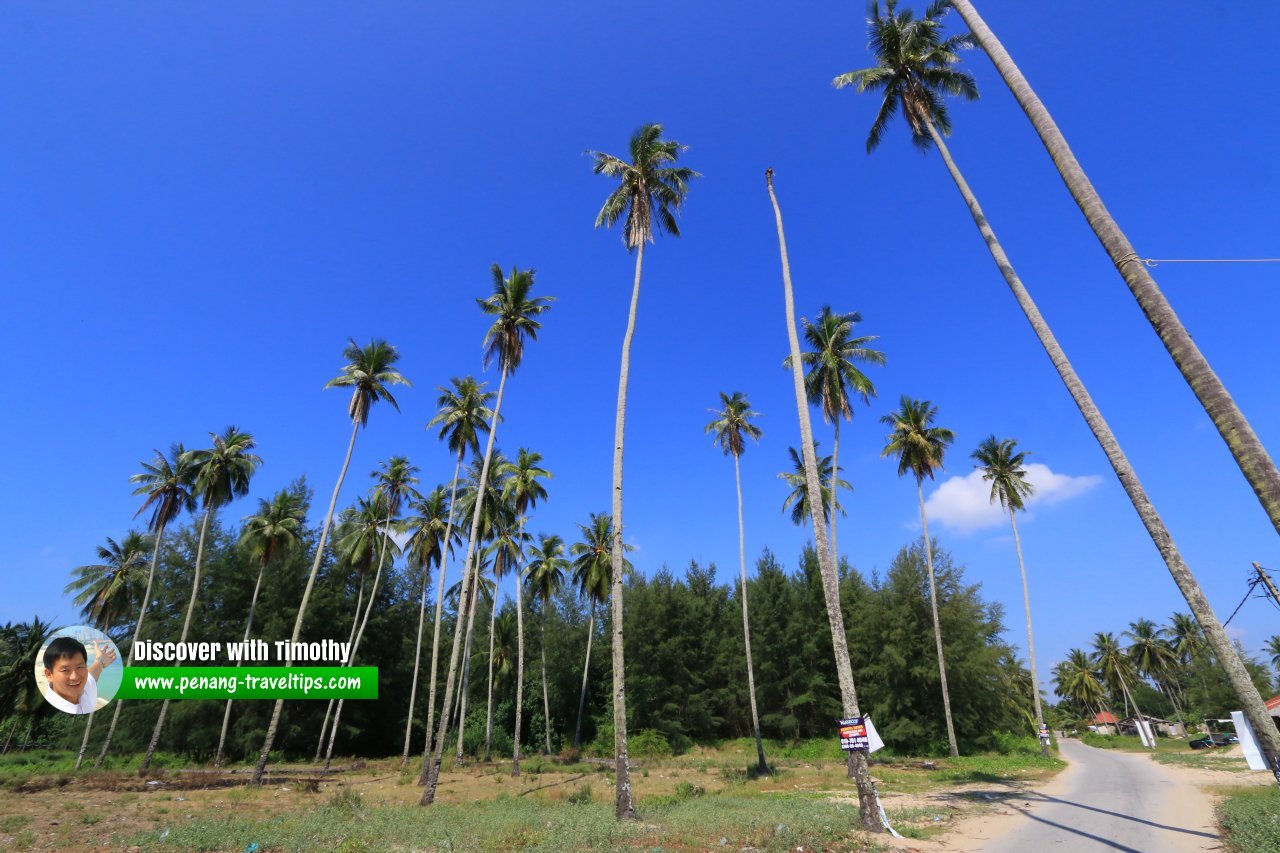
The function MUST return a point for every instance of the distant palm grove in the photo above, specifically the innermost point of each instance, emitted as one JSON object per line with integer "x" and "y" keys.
{"x": 497, "y": 638}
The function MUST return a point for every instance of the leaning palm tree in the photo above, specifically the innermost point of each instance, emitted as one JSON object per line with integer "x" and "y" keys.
{"x": 368, "y": 373}
{"x": 1250, "y": 454}
{"x": 544, "y": 578}
{"x": 593, "y": 574}
{"x": 515, "y": 311}
{"x": 797, "y": 500}
{"x": 914, "y": 69}
{"x": 1115, "y": 665}
{"x": 463, "y": 416}
{"x": 506, "y": 551}
{"x": 832, "y": 376}
{"x": 522, "y": 489}
{"x": 1152, "y": 657}
{"x": 919, "y": 448}
{"x": 651, "y": 189}
{"x": 109, "y": 591}
{"x": 431, "y": 538}
{"x": 166, "y": 483}
{"x": 1001, "y": 464}
{"x": 868, "y": 804}
{"x": 730, "y": 429}
{"x": 221, "y": 474}
{"x": 274, "y": 530}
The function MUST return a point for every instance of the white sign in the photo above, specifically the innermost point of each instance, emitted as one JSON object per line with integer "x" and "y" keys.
{"x": 873, "y": 738}
{"x": 1248, "y": 742}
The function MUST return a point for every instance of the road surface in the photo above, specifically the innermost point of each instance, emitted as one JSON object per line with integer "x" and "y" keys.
{"x": 1106, "y": 800}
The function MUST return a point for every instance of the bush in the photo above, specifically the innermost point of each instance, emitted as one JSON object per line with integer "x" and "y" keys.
{"x": 1100, "y": 741}
{"x": 648, "y": 744}
{"x": 1250, "y": 820}
{"x": 1007, "y": 743}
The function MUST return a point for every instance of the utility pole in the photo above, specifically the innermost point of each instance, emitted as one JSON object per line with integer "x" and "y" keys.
{"x": 1266, "y": 579}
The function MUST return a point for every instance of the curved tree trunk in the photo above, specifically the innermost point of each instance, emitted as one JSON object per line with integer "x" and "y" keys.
{"x": 274, "y": 725}
{"x": 515, "y": 752}
{"x": 937, "y": 624}
{"x": 1254, "y": 461}
{"x": 248, "y": 627}
{"x": 186, "y": 626}
{"x": 84, "y": 742}
{"x": 488, "y": 709}
{"x": 761, "y": 766}
{"x": 1254, "y": 707}
{"x": 586, "y": 667}
{"x": 868, "y": 804}
{"x": 417, "y": 662}
{"x": 835, "y": 497}
{"x": 465, "y": 693}
{"x": 351, "y": 638}
{"x": 431, "y": 769}
{"x": 1031, "y": 642}
{"x": 624, "y": 802}
{"x": 546, "y": 696}
{"x": 435, "y": 641}
{"x": 137, "y": 632}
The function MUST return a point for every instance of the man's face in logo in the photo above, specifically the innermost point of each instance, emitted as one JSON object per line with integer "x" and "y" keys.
{"x": 68, "y": 677}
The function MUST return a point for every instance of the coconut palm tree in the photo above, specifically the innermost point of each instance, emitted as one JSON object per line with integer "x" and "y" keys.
{"x": 544, "y": 578}
{"x": 730, "y": 429}
{"x": 109, "y": 591}
{"x": 463, "y": 415}
{"x": 1114, "y": 664}
{"x": 429, "y": 530}
{"x": 369, "y": 372}
{"x": 914, "y": 69}
{"x": 1153, "y": 658}
{"x": 274, "y": 530}
{"x": 523, "y": 491}
{"x": 1001, "y": 464}
{"x": 832, "y": 376}
{"x": 868, "y": 803}
{"x": 919, "y": 449}
{"x": 506, "y": 551}
{"x": 515, "y": 312}
{"x": 828, "y": 487}
{"x": 19, "y": 695}
{"x": 1273, "y": 649}
{"x": 651, "y": 190}
{"x": 592, "y": 573}
{"x": 1255, "y": 463}
{"x": 221, "y": 474}
{"x": 1076, "y": 678}
{"x": 165, "y": 481}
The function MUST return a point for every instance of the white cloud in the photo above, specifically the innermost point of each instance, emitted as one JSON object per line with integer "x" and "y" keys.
{"x": 964, "y": 503}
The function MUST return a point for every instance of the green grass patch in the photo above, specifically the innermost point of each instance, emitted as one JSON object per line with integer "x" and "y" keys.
{"x": 1250, "y": 820}
{"x": 1204, "y": 759}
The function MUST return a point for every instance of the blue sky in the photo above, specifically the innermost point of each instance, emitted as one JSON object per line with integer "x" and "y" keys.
{"x": 202, "y": 203}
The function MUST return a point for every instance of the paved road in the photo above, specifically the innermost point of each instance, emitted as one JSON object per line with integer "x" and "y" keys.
{"x": 1106, "y": 801}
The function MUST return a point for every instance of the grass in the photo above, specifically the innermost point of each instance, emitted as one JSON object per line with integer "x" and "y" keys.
{"x": 1250, "y": 820}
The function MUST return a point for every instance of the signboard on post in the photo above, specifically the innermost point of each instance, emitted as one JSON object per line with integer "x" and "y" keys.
{"x": 853, "y": 734}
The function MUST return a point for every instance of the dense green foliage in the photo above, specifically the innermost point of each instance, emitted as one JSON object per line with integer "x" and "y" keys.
{"x": 1250, "y": 820}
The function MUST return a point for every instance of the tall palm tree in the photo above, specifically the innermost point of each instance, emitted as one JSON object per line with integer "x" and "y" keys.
{"x": 431, "y": 536}
{"x": 833, "y": 376}
{"x": 1153, "y": 658}
{"x": 919, "y": 449}
{"x": 828, "y": 488}
{"x": 270, "y": 533}
{"x": 221, "y": 474}
{"x": 730, "y": 429}
{"x": 109, "y": 591}
{"x": 165, "y": 481}
{"x": 593, "y": 575}
{"x": 1251, "y": 456}
{"x": 1115, "y": 665}
{"x": 394, "y": 486}
{"x": 1076, "y": 679}
{"x": 914, "y": 70}
{"x": 521, "y": 487}
{"x": 545, "y": 577}
{"x": 651, "y": 190}
{"x": 506, "y": 550}
{"x": 515, "y": 312}
{"x": 1001, "y": 464}
{"x": 868, "y": 803}
{"x": 463, "y": 415}
{"x": 369, "y": 372}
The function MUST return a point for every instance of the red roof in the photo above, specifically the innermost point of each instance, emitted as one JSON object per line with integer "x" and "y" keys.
{"x": 1106, "y": 717}
{"x": 1273, "y": 703}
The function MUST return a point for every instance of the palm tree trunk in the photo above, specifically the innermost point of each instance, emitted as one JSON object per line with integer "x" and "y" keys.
{"x": 465, "y": 693}
{"x": 417, "y": 662}
{"x": 835, "y": 498}
{"x": 868, "y": 803}
{"x": 186, "y": 626}
{"x": 351, "y": 638}
{"x": 1254, "y": 707}
{"x": 761, "y": 766}
{"x": 1137, "y": 712}
{"x": 586, "y": 667}
{"x": 248, "y": 627}
{"x": 431, "y": 769}
{"x": 84, "y": 743}
{"x": 1031, "y": 642}
{"x": 937, "y": 624}
{"x": 435, "y": 641}
{"x": 137, "y": 632}
{"x": 546, "y": 696}
{"x": 1254, "y": 461}
{"x": 515, "y": 753}
{"x": 624, "y": 802}
{"x": 274, "y": 725}
{"x": 488, "y": 710}
{"x": 355, "y": 646}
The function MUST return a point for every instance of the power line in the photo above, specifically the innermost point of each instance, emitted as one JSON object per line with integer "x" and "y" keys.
{"x": 1153, "y": 262}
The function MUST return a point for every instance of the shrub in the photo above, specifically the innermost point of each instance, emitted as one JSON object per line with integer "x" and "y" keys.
{"x": 648, "y": 744}
{"x": 1250, "y": 820}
